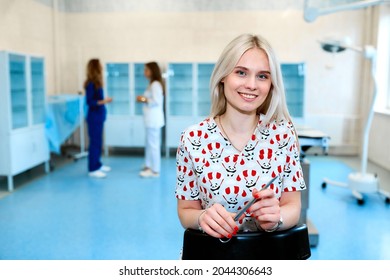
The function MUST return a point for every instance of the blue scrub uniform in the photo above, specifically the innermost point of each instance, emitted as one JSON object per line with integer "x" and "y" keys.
{"x": 95, "y": 119}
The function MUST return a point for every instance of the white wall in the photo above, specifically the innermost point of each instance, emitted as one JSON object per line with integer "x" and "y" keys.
{"x": 332, "y": 95}
{"x": 379, "y": 145}
{"x": 379, "y": 148}
{"x": 27, "y": 27}
{"x": 333, "y": 88}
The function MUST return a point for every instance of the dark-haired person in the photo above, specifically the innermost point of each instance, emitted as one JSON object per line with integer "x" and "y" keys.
{"x": 153, "y": 111}
{"x": 96, "y": 116}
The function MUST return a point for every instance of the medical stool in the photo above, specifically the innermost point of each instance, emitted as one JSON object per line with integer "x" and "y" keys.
{"x": 291, "y": 244}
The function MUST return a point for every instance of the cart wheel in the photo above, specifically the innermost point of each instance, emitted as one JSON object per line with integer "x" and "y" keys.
{"x": 323, "y": 185}
{"x": 360, "y": 201}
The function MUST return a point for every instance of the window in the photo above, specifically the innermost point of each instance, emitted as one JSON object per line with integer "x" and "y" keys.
{"x": 383, "y": 60}
{"x": 294, "y": 83}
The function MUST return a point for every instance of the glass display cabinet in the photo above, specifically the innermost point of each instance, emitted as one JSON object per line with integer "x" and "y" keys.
{"x": 187, "y": 99}
{"x": 124, "y": 126}
{"x": 22, "y": 126}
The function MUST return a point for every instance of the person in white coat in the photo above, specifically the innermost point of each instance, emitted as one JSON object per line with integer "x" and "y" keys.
{"x": 153, "y": 111}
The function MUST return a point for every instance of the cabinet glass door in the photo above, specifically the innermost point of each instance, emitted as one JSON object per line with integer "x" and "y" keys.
{"x": 140, "y": 85}
{"x": 294, "y": 82}
{"x": 37, "y": 90}
{"x": 180, "y": 89}
{"x": 118, "y": 87}
{"x": 204, "y": 101}
{"x": 17, "y": 66}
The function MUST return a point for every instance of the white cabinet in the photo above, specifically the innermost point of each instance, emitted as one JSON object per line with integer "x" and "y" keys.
{"x": 124, "y": 126}
{"x": 188, "y": 98}
{"x": 22, "y": 123}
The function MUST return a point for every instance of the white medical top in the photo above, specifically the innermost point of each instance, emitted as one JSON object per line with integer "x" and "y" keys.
{"x": 153, "y": 110}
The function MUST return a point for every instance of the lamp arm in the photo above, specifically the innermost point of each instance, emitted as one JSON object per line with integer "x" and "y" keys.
{"x": 311, "y": 13}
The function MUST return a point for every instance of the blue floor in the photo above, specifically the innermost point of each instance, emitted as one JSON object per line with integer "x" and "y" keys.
{"x": 67, "y": 215}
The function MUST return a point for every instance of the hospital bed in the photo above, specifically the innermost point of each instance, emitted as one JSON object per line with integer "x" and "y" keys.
{"x": 65, "y": 113}
{"x": 309, "y": 137}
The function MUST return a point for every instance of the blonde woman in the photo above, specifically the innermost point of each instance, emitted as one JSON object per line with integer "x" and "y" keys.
{"x": 249, "y": 139}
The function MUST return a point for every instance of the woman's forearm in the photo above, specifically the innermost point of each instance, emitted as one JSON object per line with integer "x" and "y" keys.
{"x": 189, "y": 212}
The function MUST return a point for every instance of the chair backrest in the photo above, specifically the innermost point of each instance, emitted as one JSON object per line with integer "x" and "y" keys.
{"x": 291, "y": 244}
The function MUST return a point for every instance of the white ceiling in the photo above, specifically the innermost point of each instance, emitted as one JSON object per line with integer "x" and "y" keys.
{"x": 171, "y": 5}
{"x": 77, "y": 6}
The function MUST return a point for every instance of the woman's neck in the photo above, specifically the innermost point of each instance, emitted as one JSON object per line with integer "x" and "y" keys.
{"x": 239, "y": 123}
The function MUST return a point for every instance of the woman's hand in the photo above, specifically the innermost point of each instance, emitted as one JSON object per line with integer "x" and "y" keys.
{"x": 141, "y": 98}
{"x": 105, "y": 101}
{"x": 218, "y": 222}
{"x": 266, "y": 210}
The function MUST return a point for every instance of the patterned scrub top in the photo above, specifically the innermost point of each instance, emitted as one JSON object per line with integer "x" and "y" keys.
{"x": 211, "y": 170}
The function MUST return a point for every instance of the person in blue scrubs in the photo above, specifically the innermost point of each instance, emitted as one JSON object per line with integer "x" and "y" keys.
{"x": 96, "y": 116}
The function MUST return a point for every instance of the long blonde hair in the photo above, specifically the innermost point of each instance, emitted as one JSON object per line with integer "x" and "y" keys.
{"x": 275, "y": 106}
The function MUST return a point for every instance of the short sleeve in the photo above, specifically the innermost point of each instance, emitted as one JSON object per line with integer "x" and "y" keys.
{"x": 293, "y": 180}
{"x": 186, "y": 181}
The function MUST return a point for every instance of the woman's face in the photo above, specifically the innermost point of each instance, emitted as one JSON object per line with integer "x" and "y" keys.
{"x": 248, "y": 85}
{"x": 147, "y": 72}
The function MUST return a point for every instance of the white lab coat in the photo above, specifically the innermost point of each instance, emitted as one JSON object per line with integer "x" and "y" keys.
{"x": 154, "y": 120}
{"x": 153, "y": 110}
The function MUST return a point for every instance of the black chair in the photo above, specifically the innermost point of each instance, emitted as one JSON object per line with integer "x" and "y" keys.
{"x": 291, "y": 244}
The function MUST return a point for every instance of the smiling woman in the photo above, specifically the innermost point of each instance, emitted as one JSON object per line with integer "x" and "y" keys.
{"x": 246, "y": 89}
{"x": 248, "y": 140}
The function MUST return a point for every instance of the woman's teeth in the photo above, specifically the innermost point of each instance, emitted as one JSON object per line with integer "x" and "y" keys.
{"x": 249, "y": 96}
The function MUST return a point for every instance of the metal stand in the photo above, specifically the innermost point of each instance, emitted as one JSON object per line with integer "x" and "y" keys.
{"x": 83, "y": 152}
{"x": 360, "y": 182}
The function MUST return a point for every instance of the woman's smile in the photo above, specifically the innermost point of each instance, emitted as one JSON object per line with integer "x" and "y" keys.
{"x": 248, "y": 85}
{"x": 247, "y": 96}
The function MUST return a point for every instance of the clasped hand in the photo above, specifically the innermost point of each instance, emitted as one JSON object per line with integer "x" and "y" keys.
{"x": 218, "y": 222}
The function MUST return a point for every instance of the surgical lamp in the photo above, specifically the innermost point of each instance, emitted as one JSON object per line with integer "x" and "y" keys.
{"x": 359, "y": 182}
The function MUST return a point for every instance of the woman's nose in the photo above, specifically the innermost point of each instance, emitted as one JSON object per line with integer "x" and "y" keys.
{"x": 250, "y": 83}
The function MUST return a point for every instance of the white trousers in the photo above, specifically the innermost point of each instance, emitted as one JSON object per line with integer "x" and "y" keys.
{"x": 153, "y": 148}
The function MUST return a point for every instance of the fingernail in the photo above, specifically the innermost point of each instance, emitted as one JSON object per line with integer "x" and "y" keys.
{"x": 236, "y": 229}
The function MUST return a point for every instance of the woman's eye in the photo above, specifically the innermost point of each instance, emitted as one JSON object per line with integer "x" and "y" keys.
{"x": 240, "y": 73}
{"x": 263, "y": 76}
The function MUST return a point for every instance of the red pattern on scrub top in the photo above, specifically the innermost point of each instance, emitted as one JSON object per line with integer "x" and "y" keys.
{"x": 211, "y": 170}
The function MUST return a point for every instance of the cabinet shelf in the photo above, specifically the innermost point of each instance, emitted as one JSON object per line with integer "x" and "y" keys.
{"x": 124, "y": 126}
